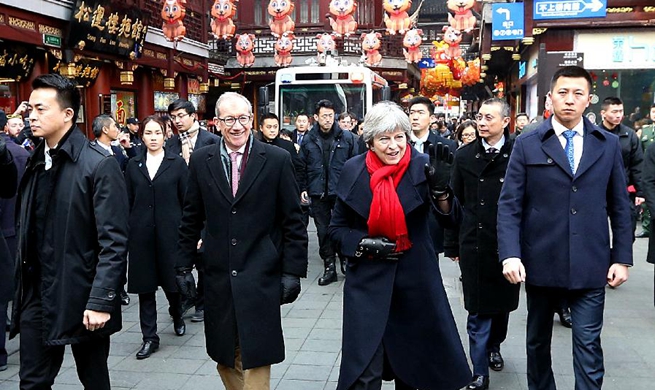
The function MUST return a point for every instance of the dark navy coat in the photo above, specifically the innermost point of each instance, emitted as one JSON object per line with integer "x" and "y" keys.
{"x": 250, "y": 241}
{"x": 400, "y": 304}
{"x": 155, "y": 213}
{"x": 557, "y": 223}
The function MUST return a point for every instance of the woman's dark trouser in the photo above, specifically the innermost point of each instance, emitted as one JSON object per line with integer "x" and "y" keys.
{"x": 148, "y": 313}
{"x": 371, "y": 378}
{"x": 39, "y": 364}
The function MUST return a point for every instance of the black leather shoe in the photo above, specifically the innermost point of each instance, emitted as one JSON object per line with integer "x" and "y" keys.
{"x": 565, "y": 318}
{"x": 198, "y": 316}
{"x": 642, "y": 234}
{"x": 479, "y": 382}
{"x": 147, "y": 349}
{"x": 496, "y": 361}
{"x": 179, "y": 326}
{"x": 125, "y": 299}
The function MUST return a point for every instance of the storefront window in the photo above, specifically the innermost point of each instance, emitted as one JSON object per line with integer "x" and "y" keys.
{"x": 635, "y": 87}
{"x": 8, "y": 96}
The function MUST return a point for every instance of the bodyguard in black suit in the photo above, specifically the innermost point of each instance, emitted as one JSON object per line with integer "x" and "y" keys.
{"x": 256, "y": 244}
{"x": 478, "y": 176}
{"x": 421, "y": 114}
{"x": 564, "y": 180}
{"x": 190, "y": 137}
{"x": 302, "y": 127}
{"x": 156, "y": 183}
{"x": 269, "y": 132}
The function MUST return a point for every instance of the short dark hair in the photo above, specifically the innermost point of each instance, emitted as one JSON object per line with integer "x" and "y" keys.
{"x": 182, "y": 104}
{"x": 424, "y": 101}
{"x": 302, "y": 114}
{"x": 345, "y": 115}
{"x": 152, "y": 118}
{"x": 609, "y": 101}
{"x": 571, "y": 72}
{"x": 68, "y": 96}
{"x": 99, "y": 123}
{"x": 324, "y": 103}
{"x": 465, "y": 124}
{"x": 268, "y": 115}
{"x": 504, "y": 106}
{"x": 286, "y": 132}
{"x": 520, "y": 114}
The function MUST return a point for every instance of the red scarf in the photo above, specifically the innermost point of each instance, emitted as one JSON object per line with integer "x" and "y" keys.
{"x": 386, "y": 217}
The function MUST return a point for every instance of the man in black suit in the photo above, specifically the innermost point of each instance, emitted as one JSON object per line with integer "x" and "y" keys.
{"x": 421, "y": 114}
{"x": 106, "y": 133}
{"x": 302, "y": 127}
{"x": 189, "y": 138}
{"x": 269, "y": 132}
{"x": 256, "y": 244}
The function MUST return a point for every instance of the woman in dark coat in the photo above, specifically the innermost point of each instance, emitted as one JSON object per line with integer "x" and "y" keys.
{"x": 156, "y": 182}
{"x": 397, "y": 323}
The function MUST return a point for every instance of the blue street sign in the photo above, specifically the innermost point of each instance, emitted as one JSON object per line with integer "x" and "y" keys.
{"x": 569, "y": 9}
{"x": 507, "y": 21}
{"x": 426, "y": 63}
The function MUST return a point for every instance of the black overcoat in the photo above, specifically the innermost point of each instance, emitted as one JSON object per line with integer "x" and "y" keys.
{"x": 477, "y": 180}
{"x": 250, "y": 240}
{"x": 648, "y": 186}
{"x": 86, "y": 223}
{"x": 400, "y": 304}
{"x": 9, "y": 175}
{"x": 155, "y": 213}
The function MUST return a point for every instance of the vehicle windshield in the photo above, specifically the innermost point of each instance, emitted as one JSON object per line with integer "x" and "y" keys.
{"x": 300, "y": 99}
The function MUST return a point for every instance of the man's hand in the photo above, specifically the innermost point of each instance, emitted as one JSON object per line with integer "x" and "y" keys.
{"x": 513, "y": 270}
{"x": 455, "y": 259}
{"x": 290, "y": 288}
{"x": 124, "y": 140}
{"x": 617, "y": 275}
{"x": 22, "y": 108}
{"x": 94, "y": 320}
{"x": 639, "y": 201}
{"x": 438, "y": 171}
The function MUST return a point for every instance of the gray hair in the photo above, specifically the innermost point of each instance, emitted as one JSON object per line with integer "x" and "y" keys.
{"x": 504, "y": 106}
{"x": 384, "y": 117}
{"x": 99, "y": 123}
{"x": 231, "y": 96}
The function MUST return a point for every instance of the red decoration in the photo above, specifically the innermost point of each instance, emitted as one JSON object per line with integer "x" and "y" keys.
{"x": 342, "y": 18}
{"x": 464, "y": 20}
{"x": 412, "y": 42}
{"x": 222, "y": 13}
{"x": 396, "y": 18}
{"x": 173, "y": 12}
{"x": 283, "y": 47}
{"x": 452, "y": 37}
{"x": 281, "y": 22}
{"x": 245, "y": 44}
{"x": 370, "y": 46}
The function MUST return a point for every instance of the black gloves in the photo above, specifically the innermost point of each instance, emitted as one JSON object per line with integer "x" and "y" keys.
{"x": 290, "y": 288}
{"x": 377, "y": 248}
{"x": 438, "y": 171}
{"x": 187, "y": 286}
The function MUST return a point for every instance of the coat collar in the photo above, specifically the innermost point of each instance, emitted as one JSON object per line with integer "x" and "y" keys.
{"x": 594, "y": 138}
{"x": 256, "y": 160}
{"x": 165, "y": 164}
{"x": 71, "y": 144}
{"x": 354, "y": 187}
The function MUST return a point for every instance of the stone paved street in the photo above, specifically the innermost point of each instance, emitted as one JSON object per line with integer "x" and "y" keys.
{"x": 312, "y": 328}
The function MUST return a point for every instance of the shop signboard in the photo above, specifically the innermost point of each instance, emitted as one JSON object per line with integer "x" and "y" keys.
{"x": 507, "y": 22}
{"x": 16, "y": 61}
{"x": 549, "y": 62}
{"x": 51, "y": 40}
{"x": 108, "y": 27}
{"x": 568, "y": 9}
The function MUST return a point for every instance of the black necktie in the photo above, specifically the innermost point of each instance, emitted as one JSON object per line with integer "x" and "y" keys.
{"x": 492, "y": 150}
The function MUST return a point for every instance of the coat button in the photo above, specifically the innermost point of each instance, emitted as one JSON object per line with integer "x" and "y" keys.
{"x": 479, "y": 226}
{"x": 150, "y": 206}
{"x": 233, "y": 241}
{"x": 502, "y": 179}
{"x": 234, "y": 273}
{"x": 234, "y": 211}
{"x": 111, "y": 295}
{"x": 549, "y": 161}
{"x": 150, "y": 185}
{"x": 477, "y": 155}
{"x": 505, "y": 155}
{"x": 482, "y": 179}
{"x": 574, "y": 211}
{"x": 574, "y": 189}
{"x": 481, "y": 202}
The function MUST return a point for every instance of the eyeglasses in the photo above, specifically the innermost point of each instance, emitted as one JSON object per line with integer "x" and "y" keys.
{"x": 487, "y": 117}
{"x": 231, "y": 121}
{"x": 179, "y": 116}
{"x": 465, "y": 135}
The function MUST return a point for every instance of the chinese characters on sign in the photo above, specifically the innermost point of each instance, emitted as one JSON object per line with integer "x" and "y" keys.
{"x": 103, "y": 26}
{"x": 507, "y": 22}
{"x": 569, "y": 9}
{"x": 16, "y": 62}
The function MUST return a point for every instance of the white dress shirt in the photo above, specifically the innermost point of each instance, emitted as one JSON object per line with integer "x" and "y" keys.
{"x": 153, "y": 161}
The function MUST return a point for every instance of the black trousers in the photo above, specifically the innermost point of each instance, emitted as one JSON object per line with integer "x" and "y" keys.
{"x": 587, "y": 316}
{"x": 371, "y": 378}
{"x": 486, "y": 333}
{"x": 148, "y": 313}
{"x": 322, "y": 213}
{"x": 40, "y": 364}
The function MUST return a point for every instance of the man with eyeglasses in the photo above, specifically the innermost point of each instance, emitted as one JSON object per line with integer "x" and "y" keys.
{"x": 256, "y": 244}
{"x": 190, "y": 137}
{"x": 478, "y": 176}
{"x": 322, "y": 155}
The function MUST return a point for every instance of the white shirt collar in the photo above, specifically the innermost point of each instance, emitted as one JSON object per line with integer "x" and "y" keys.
{"x": 48, "y": 158}
{"x": 106, "y": 147}
{"x": 560, "y": 128}
{"x": 497, "y": 146}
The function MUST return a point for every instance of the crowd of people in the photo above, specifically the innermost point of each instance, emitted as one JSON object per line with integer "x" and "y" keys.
{"x": 85, "y": 222}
